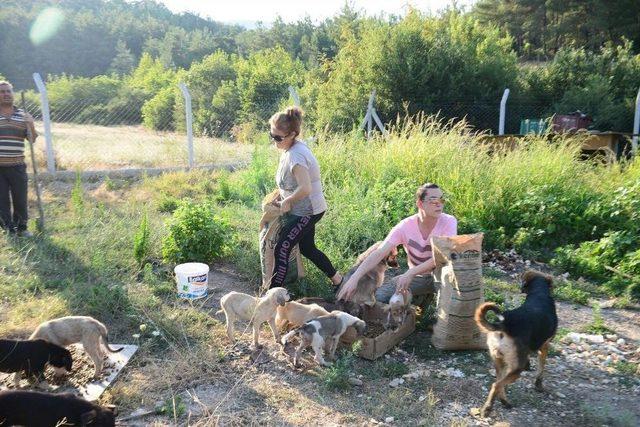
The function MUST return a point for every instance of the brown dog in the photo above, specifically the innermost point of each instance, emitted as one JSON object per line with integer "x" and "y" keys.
{"x": 517, "y": 333}
{"x": 371, "y": 280}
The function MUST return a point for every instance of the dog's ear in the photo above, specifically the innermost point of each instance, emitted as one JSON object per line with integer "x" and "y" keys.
{"x": 530, "y": 275}
{"x": 88, "y": 417}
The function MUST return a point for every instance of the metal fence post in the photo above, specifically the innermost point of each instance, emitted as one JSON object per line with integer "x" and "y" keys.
{"x": 46, "y": 120}
{"x": 294, "y": 96}
{"x": 636, "y": 126}
{"x": 503, "y": 111}
{"x": 189, "y": 116}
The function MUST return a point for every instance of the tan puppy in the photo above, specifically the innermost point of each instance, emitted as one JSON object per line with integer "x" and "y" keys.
{"x": 236, "y": 305}
{"x": 68, "y": 330}
{"x": 296, "y": 313}
{"x": 371, "y": 280}
{"x": 397, "y": 309}
{"x": 321, "y": 331}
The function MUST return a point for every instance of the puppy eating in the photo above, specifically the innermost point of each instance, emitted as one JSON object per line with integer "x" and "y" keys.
{"x": 397, "y": 309}
{"x": 517, "y": 333}
{"x": 30, "y": 408}
{"x": 295, "y": 313}
{"x": 321, "y": 331}
{"x": 72, "y": 329}
{"x": 31, "y": 357}
{"x": 236, "y": 305}
{"x": 371, "y": 280}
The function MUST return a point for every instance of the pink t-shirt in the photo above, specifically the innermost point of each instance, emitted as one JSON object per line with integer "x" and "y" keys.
{"x": 418, "y": 249}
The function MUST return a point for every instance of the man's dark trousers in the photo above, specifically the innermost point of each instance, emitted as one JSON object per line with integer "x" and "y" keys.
{"x": 13, "y": 188}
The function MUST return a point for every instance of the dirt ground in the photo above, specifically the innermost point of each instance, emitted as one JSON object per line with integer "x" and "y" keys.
{"x": 430, "y": 387}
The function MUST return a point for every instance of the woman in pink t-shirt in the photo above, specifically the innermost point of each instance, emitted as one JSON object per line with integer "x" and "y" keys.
{"x": 414, "y": 234}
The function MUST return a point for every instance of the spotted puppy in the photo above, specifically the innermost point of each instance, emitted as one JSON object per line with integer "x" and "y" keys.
{"x": 397, "y": 309}
{"x": 321, "y": 331}
{"x": 518, "y": 333}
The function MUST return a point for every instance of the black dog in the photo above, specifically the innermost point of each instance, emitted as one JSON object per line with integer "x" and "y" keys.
{"x": 519, "y": 332}
{"x": 35, "y": 409}
{"x": 31, "y": 356}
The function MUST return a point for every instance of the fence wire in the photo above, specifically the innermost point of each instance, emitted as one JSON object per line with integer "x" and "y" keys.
{"x": 131, "y": 131}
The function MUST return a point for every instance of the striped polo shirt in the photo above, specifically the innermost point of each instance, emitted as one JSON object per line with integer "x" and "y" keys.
{"x": 13, "y": 131}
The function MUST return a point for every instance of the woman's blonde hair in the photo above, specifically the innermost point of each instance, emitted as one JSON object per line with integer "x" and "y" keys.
{"x": 289, "y": 120}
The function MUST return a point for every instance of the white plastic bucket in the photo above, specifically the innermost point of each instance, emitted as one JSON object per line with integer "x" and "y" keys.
{"x": 192, "y": 279}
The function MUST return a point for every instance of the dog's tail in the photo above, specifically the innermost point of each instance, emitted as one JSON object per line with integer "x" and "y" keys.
{"x": 285, "y": 339}
{"x": 105, "y": 341}
{"x": 481, "y": 317}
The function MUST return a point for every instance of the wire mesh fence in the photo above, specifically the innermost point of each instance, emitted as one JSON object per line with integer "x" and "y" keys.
{"x": 131, "y": 131}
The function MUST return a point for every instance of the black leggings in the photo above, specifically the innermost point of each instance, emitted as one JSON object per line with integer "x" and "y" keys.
{"x": 299, "y": 230}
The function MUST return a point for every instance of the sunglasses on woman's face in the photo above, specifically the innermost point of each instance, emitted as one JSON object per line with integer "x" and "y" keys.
{"x": 277, "y": 138}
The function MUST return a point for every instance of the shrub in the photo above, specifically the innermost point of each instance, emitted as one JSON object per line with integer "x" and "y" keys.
{"x": 196, "y": 233}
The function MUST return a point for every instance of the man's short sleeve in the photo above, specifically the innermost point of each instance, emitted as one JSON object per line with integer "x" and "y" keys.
{"x": 451, "y": 227}
{"x": 395, "y": 236}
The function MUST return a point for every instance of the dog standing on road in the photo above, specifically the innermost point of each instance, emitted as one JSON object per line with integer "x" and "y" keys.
{"x": 68, "y": 330}
{"x": 517, "y": 333}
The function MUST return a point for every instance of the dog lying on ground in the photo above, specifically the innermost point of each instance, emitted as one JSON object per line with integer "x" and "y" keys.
{"x": 321, "y": 331}
{"x": 31, "y": 357}
{"x": 295, "y": 313}
{"x": 397, "y": 310}
{"x": 517, "y": 333}
{"x": 72, "y": 329}
{"x": 236, "y": 305}
{"x": 35, "y": 409}
{"x": 371, "y": 280}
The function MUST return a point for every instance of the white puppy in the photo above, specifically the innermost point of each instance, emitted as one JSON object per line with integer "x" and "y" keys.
{"x": 72, "y": 329}
{"x": 236, "y": 305}
{"x": 296, "y": 313}
{"x": 324, "y": 329}
{"x": 397, "y": 310}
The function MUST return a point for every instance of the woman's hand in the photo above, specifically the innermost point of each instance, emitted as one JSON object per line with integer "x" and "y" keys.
{"x": 285, "y": 205}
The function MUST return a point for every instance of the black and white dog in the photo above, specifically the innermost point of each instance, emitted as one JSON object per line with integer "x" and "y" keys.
{"x": 31, "y": 357}
{"x": 323, "y": 331}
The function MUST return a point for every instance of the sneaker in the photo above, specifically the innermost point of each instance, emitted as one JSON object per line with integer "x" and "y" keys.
{"x": 25, "y": 233}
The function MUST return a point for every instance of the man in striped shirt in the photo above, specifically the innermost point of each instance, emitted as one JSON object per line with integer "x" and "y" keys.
{"x": 414, "y": 234}
{"x": 13, "y": 170}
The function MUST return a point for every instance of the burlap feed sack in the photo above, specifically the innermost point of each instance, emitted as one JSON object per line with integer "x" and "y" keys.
{"x": 269, "y": 234}
{"x": 459, "y": 269}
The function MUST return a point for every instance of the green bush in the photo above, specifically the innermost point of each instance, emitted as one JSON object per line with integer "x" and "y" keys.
{"x": 196, "y": 234}
{"x": 157, "y": 113}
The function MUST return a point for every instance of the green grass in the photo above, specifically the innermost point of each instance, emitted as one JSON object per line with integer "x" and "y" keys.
{"x": 597, "y": 325}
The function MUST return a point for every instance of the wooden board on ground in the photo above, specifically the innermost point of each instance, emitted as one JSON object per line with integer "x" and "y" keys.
{"x": 81, "y": 381}
{"x": 375, "y": 346}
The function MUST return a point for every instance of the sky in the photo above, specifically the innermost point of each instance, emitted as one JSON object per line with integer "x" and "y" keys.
{"x": 245, "y": 11}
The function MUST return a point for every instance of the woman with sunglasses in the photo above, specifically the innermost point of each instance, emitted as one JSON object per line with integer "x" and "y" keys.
{"x": 298, "y": 179}
{"x": 414, "y": 234}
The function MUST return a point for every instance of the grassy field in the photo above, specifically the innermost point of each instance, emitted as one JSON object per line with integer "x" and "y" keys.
{"x": 92, "y": 147}
{"x": 84, "y": 264}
